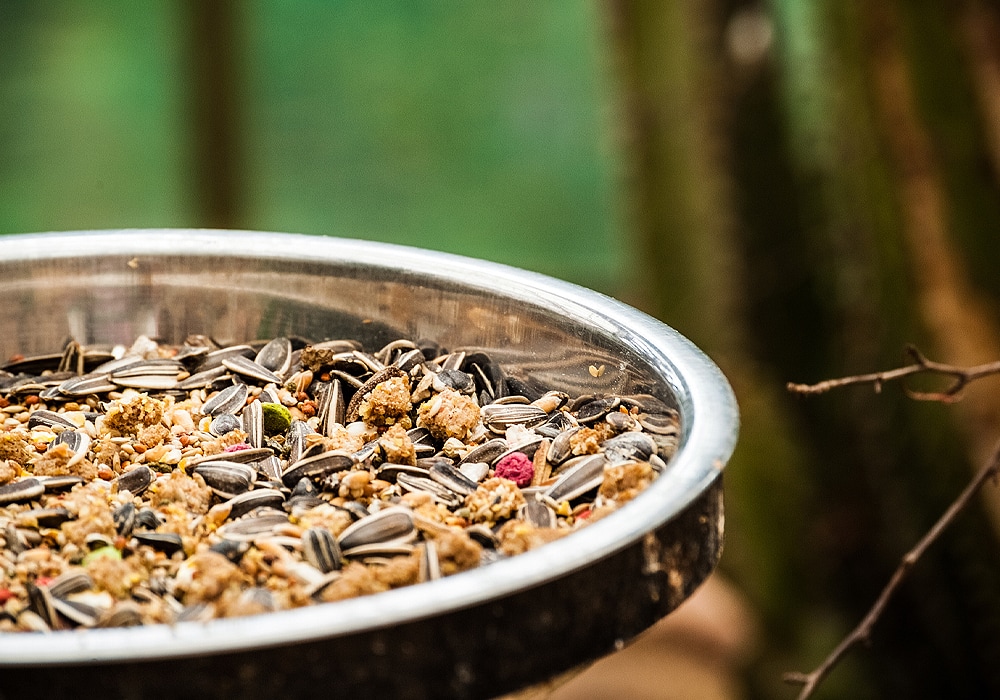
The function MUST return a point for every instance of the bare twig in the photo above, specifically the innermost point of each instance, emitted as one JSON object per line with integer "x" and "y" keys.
{"x": 961, "y": 376}
{"x": 862, "y": 632}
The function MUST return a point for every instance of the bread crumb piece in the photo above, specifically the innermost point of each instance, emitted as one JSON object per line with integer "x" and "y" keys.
{"x": 58, "y": 461}
{"x": 388, "y": 403}
{"x": 623, "y": 482}
{"x": 129, "y": 414}
{"x": 448, "y": 414}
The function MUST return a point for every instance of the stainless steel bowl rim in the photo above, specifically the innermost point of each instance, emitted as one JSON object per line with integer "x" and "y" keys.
{"x": 708, "y": 408}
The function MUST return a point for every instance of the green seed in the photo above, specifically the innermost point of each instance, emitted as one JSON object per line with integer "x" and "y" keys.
{"x": 109, "y": 551}
{"x": 277, "y": 419}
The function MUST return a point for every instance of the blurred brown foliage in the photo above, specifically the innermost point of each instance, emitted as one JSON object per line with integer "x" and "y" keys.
{"x": 815, "y": 186}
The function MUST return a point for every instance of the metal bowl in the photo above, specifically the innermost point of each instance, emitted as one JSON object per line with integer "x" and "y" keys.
{"x": 482, "y": 633}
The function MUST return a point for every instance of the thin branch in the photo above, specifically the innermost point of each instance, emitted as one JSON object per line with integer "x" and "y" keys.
{"x": 862, "y": 633}
{"x": 961, "y": 377}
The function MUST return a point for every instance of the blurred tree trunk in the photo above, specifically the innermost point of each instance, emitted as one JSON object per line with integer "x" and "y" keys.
{"x": 674, "y": 102}
{"x": 214, "y": 105}
{"x": 848, "y": 207}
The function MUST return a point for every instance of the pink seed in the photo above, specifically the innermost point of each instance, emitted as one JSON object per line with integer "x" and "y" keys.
{"x": 517, "y": 467}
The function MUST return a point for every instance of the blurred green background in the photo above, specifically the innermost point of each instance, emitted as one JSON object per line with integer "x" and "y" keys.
{"x": 800, "y": 186}
{"x": 441, "y": 125}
